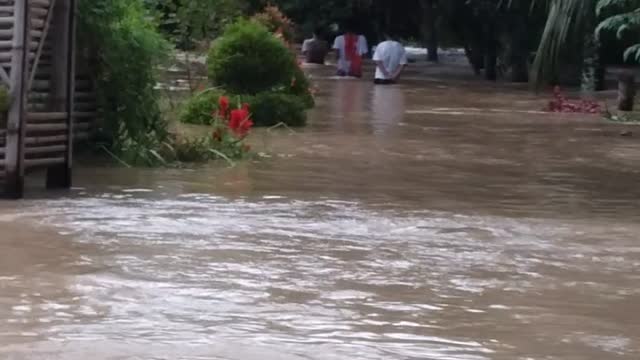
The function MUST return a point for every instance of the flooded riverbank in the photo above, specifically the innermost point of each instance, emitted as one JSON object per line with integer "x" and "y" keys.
{"x": 429, "y": 220}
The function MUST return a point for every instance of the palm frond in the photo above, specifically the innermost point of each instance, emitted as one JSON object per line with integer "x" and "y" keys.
{"x": 564, "y": 30}
{"x": 633, "y": 53}
{"x": 605, "y": 7}
{"x": 620, "y": 24}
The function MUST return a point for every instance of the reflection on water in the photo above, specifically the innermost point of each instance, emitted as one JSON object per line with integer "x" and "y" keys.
{"x": 381, "y": 231}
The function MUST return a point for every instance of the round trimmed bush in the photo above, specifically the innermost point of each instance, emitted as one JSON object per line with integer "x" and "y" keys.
{"x": 248, "y": 59}
{"x": 269, "y": 109}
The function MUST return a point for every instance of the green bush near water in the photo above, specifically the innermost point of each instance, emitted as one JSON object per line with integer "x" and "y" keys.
{"x": 267, "y": 108}
{"x": 251, "y": 63}
{"x": 198, "y": 109}
{"x": 248, "y": 59}
{"x": 124, "y": 47}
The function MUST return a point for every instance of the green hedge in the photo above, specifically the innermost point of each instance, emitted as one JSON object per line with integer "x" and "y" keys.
{"x": 270, "y": 109}
{"x": 267, "y": 108}
{"x": 199, "y": 108}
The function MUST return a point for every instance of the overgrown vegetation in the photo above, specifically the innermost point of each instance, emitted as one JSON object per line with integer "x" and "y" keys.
{"x": 188, "y": 22}
{"x": 267, "y": 108}
{"x": 124, "y": 49}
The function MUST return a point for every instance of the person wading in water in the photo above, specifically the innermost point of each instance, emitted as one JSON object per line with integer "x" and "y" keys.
{"x": 315, "y": 49}
{"x": 390, "y": 58}
{"x": 350, "y": 49}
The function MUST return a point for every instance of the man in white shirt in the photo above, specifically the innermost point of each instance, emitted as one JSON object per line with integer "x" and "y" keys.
{"x": 390, "y": 58}
{"x": 350, "y": 49}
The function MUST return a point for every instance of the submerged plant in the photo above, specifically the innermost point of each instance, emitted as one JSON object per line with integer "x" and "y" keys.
{"x": 226, "y": 141}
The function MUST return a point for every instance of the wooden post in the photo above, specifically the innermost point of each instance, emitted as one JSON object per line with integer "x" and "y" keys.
{"x": 63, "y": 85}
{"x": 17, "y": 113}
{"x": 626, "y": 92}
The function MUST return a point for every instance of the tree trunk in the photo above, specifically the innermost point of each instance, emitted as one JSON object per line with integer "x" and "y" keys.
{"x": 475, "y": 51}
{"x": 626, "y": 92}
{"x": 430, "y": 10}
{"x": 519, "y": 57}
{"x": 593, "y": 71}
{"x": 473, "y": 61}
{"x": 490, "y": 65}
{"x": 491, "y": 54}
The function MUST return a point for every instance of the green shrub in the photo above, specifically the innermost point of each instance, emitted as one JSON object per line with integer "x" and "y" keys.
{"x": 199, "y": 108}
{"x": 269, "y": 109}
{"x": 124, "y": 47}
{"x": 248, "y": 59}
{"x": 301, "y": 87}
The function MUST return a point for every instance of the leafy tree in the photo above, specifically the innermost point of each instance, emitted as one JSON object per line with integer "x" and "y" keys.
{"x": 621, "y": 17}
{"x": 190, "y": 21}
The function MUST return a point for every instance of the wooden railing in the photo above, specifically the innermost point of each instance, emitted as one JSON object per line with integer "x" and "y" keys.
{"x": 38, "y": 66}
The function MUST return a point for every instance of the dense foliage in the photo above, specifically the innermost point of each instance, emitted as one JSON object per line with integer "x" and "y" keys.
{"x": 198, "y": 109}
{"x": 267, "y": 108}
{"x": 124, "y": 49}
{"x": 191, "y": 21}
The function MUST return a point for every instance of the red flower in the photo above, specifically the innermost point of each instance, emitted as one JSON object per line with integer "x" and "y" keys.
{"x": 240, "y": 122}
{"x": 245, "y": 107}
{"x": 223, "y": 107}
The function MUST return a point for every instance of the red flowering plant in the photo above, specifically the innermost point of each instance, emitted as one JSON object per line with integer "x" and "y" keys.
{"x": 231, "y": 128}
{"x": 561, "y": 104}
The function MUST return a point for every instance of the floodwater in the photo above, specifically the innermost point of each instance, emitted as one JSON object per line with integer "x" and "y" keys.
{"x": 430, "y": 220}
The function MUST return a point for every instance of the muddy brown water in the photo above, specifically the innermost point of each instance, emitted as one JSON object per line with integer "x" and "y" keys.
{"x": 430, "y": 220}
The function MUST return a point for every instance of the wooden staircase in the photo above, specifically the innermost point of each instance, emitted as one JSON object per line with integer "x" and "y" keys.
{"x": 38, "y": 66}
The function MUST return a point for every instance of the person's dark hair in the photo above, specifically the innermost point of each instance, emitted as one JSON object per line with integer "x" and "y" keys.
{"x": 318, "y": 31}
{"x": 350, "y": 26}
